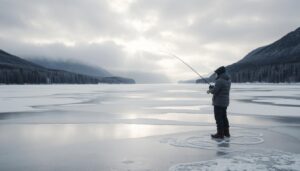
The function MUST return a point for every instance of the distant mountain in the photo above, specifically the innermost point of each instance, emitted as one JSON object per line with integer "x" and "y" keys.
{"x": 277, "y": 62}
{"x": 15, "y": 70}
{"x": 284, "y": 50}
{"x": 77, "y": 67}
{"x": 8, "y": 60}
{"x": 71, "y": 66}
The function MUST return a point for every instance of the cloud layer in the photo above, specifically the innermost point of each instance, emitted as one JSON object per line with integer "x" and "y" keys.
{"x": 133, "y": 37}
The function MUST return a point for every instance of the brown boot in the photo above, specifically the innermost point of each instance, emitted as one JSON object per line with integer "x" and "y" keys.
{"x": 226, "y": 132}
{"x": 219, "y": 134}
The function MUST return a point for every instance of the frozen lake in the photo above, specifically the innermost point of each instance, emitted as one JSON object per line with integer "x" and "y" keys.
{"x": 147, "y": 127}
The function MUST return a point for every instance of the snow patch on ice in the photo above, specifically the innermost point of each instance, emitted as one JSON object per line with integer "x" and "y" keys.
{"x": 250, "y": 161}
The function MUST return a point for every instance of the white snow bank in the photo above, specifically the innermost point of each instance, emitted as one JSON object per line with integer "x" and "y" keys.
{"x": 250, "y": 161}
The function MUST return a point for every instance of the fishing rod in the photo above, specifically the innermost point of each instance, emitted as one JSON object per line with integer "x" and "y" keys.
{"x": 190, "y": 68}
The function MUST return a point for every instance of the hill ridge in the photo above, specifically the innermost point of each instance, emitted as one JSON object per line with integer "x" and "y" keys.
{"x": 15, "y": 70}
{"x": 274, "y": 63}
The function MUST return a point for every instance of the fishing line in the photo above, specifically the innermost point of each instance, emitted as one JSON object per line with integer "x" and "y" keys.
{"x": 189, "y": 66}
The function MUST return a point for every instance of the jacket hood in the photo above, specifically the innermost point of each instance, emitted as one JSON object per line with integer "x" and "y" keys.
{"x": 224, "y": 76}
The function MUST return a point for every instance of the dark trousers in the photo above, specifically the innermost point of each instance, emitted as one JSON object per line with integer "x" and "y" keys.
{"x": 221, "y": 117}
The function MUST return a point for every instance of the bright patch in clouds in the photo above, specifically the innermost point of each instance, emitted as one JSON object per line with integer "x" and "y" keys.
{"x": 142, "y": 44}
{"x": 119, "y": 6}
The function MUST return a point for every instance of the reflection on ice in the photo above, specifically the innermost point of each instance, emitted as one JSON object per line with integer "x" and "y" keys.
{"x": 184, "y": 117}
{"x": 180, "y": 107}
{"x": 78, "y": 132}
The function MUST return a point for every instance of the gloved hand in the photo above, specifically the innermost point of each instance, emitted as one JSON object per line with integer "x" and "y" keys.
{"x": 210, "y": 88}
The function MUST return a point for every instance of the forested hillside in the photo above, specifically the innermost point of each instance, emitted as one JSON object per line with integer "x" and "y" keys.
{"x": 274, "y": 63}
{"x": 277, "y": 62}
{"x": 14, "y": 70}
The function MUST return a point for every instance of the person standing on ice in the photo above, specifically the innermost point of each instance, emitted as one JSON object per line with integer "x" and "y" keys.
{"x": 220, "y": 101}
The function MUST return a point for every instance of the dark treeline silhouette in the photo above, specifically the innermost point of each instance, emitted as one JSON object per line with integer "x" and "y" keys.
{"x": 276, "y": 73}
{"x": 116, "y": 80}
{"x": 13, "y": 75}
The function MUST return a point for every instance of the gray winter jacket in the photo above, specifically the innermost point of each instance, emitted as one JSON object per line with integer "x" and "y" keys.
{"x": 221, "y": 91}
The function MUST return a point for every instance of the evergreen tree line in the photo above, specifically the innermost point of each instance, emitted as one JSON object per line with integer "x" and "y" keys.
{"x": 31, "y": 76}
{"x": 275, "y": 73}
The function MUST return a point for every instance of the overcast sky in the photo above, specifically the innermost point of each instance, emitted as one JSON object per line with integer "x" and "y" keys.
{"x": 133, "y": 37}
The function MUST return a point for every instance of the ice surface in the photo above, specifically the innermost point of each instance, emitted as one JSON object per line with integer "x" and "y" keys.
{"x": 279, "y": 101}
{"x": 29, "y": 104}
{"x": 146, "y": 127}
{"x": 180, "y": 107}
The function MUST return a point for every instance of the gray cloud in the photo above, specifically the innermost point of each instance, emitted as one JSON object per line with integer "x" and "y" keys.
{"x": 127, "y": 36}
{"x": 55, "y": 19}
